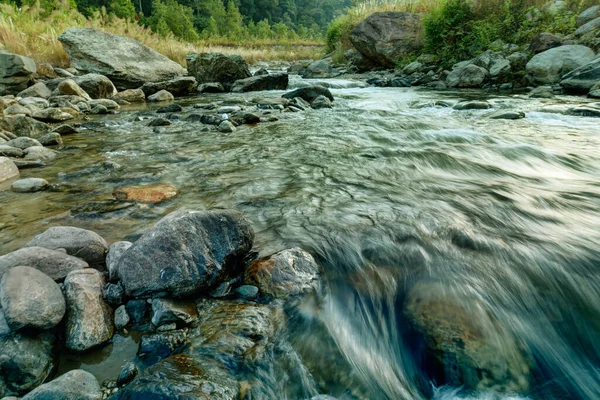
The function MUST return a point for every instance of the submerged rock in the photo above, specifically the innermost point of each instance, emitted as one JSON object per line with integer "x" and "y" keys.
{"x": 29, "y": 185}
{"x": 55, "y": 264}
{"x": 73, "y": 385}
{"x": 78, "y": 242}
{"x": 186, "y": 252}
{"x": 89, "y": 318}
{"x": 154, "y": 193}
{"x": 31, "y": 299}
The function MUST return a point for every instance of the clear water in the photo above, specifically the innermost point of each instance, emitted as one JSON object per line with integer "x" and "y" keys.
{"x": 504, "y": 212}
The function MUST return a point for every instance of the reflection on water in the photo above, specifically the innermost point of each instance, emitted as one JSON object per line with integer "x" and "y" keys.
{"x": 388, "y": 191}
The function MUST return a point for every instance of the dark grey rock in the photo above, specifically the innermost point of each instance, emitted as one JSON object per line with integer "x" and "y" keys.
{"x": 51, "y": 139}
{"x": 472, "y": 105}
{"x": 156, "y": 347}
{"x": 165, "y": 311}
{"x": 136, "y": 309}
{"x": 113, "y": 294}
{"x": 278, "y": 81}
{"x": 16, "y": 72}
{"x": 321, "y": 102}
{"x": 96, "y": 85}
{"x": 78, "y": 242}
{"x": 170, "y": 109}
{"x": 215, "y": 67}
{"x": 213, "y": 87}
{"x": 55, "y": 264}
{"x": 544, "y": 41}
{"x": 182, "y": 86}
{"x": 309, "y": 93}
{"x": 160, "y": 122}
{"x": 128, "y": 373}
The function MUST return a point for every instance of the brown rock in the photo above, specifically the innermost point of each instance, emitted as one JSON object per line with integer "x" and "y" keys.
{"x": 155, "y": 193}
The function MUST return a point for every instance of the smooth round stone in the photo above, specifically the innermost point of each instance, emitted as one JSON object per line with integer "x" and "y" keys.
{"x": 29, "y": 185}
{"x": 247, "y": 291}
{"x": 154, "y": 193}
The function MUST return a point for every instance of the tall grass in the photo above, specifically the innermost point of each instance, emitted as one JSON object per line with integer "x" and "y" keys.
{"x": 29, "y": 32}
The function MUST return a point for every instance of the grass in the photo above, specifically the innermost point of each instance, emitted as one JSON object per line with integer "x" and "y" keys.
{"x": 29, "y": 32}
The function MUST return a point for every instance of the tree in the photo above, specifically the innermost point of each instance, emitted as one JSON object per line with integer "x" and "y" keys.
{"x": 172, "y": 17}
{"x": 122, "y": 8}
{"x": 233, "y": 21}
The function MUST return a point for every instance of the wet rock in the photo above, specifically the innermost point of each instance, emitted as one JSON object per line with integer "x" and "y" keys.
{"x": 31, "y": 299}
{"x": 226, "y": 127}
{"x": 549, "y": 66}
{"x": 8, "y": 151}
{"x": 161, "y": 96}
{"x": 78, "y": 242}
{"x": 131, "y": 95}
{"x": 55, "y": 264}
{"x": 387, "y": 37}
{"x": 544, "y": 41}
{"x": 69, "y": 87}
{"x": 65, "y": 130}
{"x": 51, "y": 139}
{"x": 249, "y": 292}
{"x": 309, "y": 93}
{"x": 113, "y": 294}
{"x": 472, "y": 348}
{"x": 115, "y": 251}
{"x": 595, "y": 91}
{"x": 289, "y": 273}
{"x": 215, "y": 67}
{"x": 156, "y": 347}
{"x": 181, "y": 377}
{"x": 244, "y": 117}
{"x": 23, "y": 143}
{"x": 582, "y": 79}
{"x": 182, "y": 86}
{"x": 25, "y": 362}
{"x": 21, "y": 125}
{"x": 121, "y": 317}
{"x": 317, "y": 69}
{"x": 213, "y": 87}
{"x": 136, "y": 309}
{"x": 277, "y": 81}
{"x": 17, "y": 109}
{"x": 154, "y": 193}
{"x": 160, "y": 122}
{"x": 503, "y": 114}
{"x": 588, "y": 15}
{"x": 165, "y": 311}
{"x": 29, "y": 185}
{"x": 96, "y": 85}
{"x": 171, "y": 108}
{"x": 89, "y": 318}
{"x": 95, "y": 51}
{"x": 542, "y": 92}
{"x": 472, "y": 105}
{"x": 321, "y": 102}
{"x": 128, "y": 373}
{"x": 466, "y": 76}
{"x": 584, "y": 111}
{"x": 99, "y": 109}
{"x": 186, "y": 252}
{"x": 8, "y": 169}
{"x": 73, "y": 385}
{"x": 15, "y": 72}
{"x": 261, "y": 71}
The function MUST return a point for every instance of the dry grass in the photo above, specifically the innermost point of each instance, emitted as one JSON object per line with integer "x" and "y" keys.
{"x": 28, "y": 32}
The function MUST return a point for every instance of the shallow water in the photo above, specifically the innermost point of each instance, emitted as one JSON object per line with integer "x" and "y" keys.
{"x": 387, "y": 190}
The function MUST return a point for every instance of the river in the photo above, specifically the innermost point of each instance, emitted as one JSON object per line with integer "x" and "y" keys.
{"x": 389, "y": 191}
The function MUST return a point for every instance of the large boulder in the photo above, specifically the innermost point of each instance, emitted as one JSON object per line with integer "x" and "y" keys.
{"x": 317, "y": 69}
{"x": 81, "y": 243}
{"x": 544, "y": 41}
{"x": 588, "y": 15}
{"x": 96, "y": 85}
{"x": 30, "y": 298}
{"x": 16, "y": 72}
{"x": 178, "y": 87}
{"x": 89, "y": 318}
{"x": 186, "y": 252}
{"x": 55, "y": 264}
{"x": 309, "y": 93}
{"x": 39, "y": 90}
{"x": 583, "y": 78}
{"x": 125, "y": 61}
{"x": 592, "y": 26}
{"x": 73, "y": 385}
{"x": 25, "y": 362}
{"x": 387, "y": 37}
{"x": 261, "y": 82}
{"x": 8, "y": 170}
{"x": 467, "y": 76}
{"x": 548, "y": 67}
{"x": 470, "y": 347}
{"x": 216, "y": 67}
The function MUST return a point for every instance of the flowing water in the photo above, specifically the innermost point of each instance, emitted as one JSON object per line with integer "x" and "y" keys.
{"x": 392, "y": 194}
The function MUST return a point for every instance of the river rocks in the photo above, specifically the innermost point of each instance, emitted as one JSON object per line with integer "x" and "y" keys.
{"x": 472, "y": 348}
{"x": 7, "y": 151}
{"x": 386, "y": 37}
{"x": 215, "y": 67}
{"x": 213, "y": 87}
{"x": 89, "y": 318}
{"x": 181, "y": 377}
{"x": 113, "y": 294}
{"x": 115, "y": 251}
{"x": 321, "y": 102}
{"x": 39, "y": 90}
{"x": 54, "y": 114}
{"x": 161, "y": 96}
{"x": 588, "y": 15}
{"x": 127, "y": 374}
{"x": 289, "y": 273}
{"x": 136, "y": 309}
{"x": 17, "y": 109}
{"x": 309, "y": 93}
{"x": 40, "y": 153}
{"x": 121, "y": 317}
{"x": 22, "y": 125}
{"x": 131, "y": 96}
{"x": 548, "y": 67}
{"x": 73, "y": 385}
{"x": 186, "y": 252}
{"x": 65, "y": 129}
{"x": 78, "y": 242}
{"x": 154, "y": 193}
{"x": 544, "y": 41}
{"x": 156, "y": 347}
{"x": 8, "y": 169}
{"x": 542, "y": 92}
{"x": 165, "y": 311}
{"x": 466, "y": 76}
{"x": 583, "y": 78}
{"x": 592, "y": 26}
{"x": 29, "y": 185}
{"x": 472, "y": 105}
{"x": 30, "y": 298}
{"x": 595, "y": 91}
{"x": 108, "y": 103}
{"x": 317, "y": 69}
{"x": 494, "y": 63}
{"x": 96, "y": 85}
{"x": 171, "y": 108}
{"x": 23, "y": 143}
{"x": 276, "y": 81}
{"x": 15, "y": 73}
{"x": 178, "y": 87}
{"x": 160, "y": 122}
{"x": 226, "y": 127}
{"x": 55, "y": 264}
{"x": 69, "y": 87}
{"x": 51, "y": 139}
{"x": 25, "y": 361}
{"x": 94, "y": 51}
